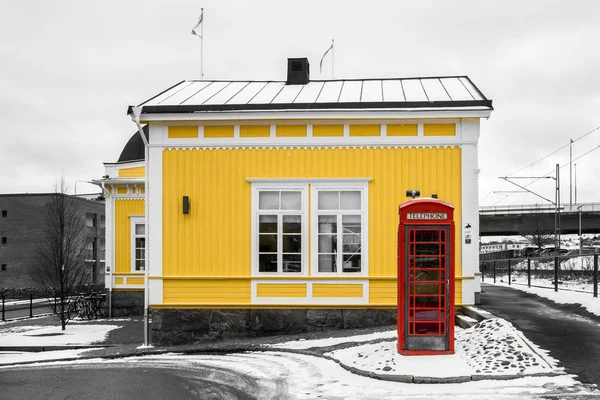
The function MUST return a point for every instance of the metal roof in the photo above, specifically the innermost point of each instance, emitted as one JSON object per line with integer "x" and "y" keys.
{"x": 426, "y": 92}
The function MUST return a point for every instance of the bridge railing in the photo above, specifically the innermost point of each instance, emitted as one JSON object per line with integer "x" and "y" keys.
{"x": 577, "y": 273}
{"x": 538, "y": 208}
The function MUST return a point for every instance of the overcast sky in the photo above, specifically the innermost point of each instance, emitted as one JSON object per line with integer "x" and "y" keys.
{"x": 69, "y": 69}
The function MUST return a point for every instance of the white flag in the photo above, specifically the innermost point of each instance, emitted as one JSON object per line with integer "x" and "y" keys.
{"x": 198, "y": 24}
{"x": 322, "y": 58}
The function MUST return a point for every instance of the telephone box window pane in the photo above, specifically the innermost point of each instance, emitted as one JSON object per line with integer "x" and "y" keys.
{"x": 428, "y": 248}
{"x": 291, "y": 201}
{"x": 428, "y": 315}
{"x": 427, "y": 275}
{"x": 427, "y": 301}
{"x": 329, "y": 200}
{"x": 292, "y": 263}
{"x": 327, "y": 263}
{"x": 428, "y": 328}
{"x": 327, "y": 224}
{"x": 267, "y": 262}
{"x": 268, "y": 200}
{"x": 267, "y": 224}
{"x": 428, "y": 236}
{"x": 292, "y": 224}
{"x": 350, "y": 200}
{"x": 428, "y": 262}
{"x": 327, "y": 243}
{"x": 292, "y": 243}
{"x": 426, "y": 288}
{"x": 267, "y": 243}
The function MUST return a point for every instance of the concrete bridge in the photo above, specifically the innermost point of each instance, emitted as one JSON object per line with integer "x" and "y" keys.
{"x": 531, "y": 218}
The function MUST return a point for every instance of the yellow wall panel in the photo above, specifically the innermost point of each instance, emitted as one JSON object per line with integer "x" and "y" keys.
{"x": 119, "y": 281}
{"x": 218, "y": 131}
{"x": 123, "y": 210}
{"x": 214, "y": 239}
{"x": 439, "y": 129}
{"x": 234, "y": 291}
{"x": 135, "y": 281}
{"x": 337, "y": 290}
{"x": 383, "y": 292}
{"x": 291, "y": 130}
{"x": 137, "y": 172}
{"x": 281, "y": 290}
{"x": 122, "y": 190}
{"x": 402, "y": 130}
{"x": 183, "y": 132}
{"x": 328, "y": 130}
{"x": 255, "y": 130}
{"x": 458, "y": 292}
{"x": 365, "y": 130}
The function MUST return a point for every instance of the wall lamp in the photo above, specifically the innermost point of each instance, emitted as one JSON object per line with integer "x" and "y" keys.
{"x": 413, "y": 193}
{"x": 186, "y": 204}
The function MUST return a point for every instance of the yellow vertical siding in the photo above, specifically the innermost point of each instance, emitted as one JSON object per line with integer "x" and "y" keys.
{"x": 135, "y": 281}
{"x": 458, "y": 292}
{"x": 402, "y": 129}
{"x": 255, "y": 130}
{"x": 218, "y": 131}
{"x": 183, "y": 132}
{"x": 291, "y": 130}
{"x": 439, "y": 130}
{"x": 281, "y": 290}
{"x": 328, "y": 130}
{"x": 182, "y": 291}
{"x": 123, "y": 210}
{"x": 365, "y": 130}
{"x": 137, "y": 172}
{"x": 121, "y": 190}
{"x": 214, "y": 239}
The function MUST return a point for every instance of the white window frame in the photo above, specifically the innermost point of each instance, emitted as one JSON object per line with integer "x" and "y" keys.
{"x": 314, "y": 230}
{"x": 280, "y": 186}
{"x": 138, "y": 220}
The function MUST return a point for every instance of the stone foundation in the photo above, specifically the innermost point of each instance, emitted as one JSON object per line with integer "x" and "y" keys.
{"x": 126, "y": 304}
{"x": 186, "y": 326}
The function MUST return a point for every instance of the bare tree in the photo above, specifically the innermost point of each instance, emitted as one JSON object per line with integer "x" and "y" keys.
{"x": 540, "y": 233}
{"x": 60, "y": 258}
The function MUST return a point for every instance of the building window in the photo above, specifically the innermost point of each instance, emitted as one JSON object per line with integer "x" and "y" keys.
{"x": 339, "y": 232}
{"x": 4, "y": 240}
{"x": 138, "y": 244}
{"x": 4, "y": 215}
{"x": 4, "y": 267}
{"x": 280, "y": 232}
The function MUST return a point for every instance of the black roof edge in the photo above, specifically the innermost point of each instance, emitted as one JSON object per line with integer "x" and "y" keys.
{"x": 326, "y": 80}
{"x": 182, "y": 109}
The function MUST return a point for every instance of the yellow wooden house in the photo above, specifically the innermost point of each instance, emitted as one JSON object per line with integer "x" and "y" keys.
{"x": 282, "y": 196}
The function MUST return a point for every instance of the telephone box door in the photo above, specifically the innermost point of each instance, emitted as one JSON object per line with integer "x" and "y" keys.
{"x": 427, "y": 299}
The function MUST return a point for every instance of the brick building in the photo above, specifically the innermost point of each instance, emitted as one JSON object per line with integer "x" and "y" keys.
{"x": 22, "y": 222}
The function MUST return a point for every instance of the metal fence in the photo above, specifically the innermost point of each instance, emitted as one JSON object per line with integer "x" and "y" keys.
{"x": 578, "y": 273}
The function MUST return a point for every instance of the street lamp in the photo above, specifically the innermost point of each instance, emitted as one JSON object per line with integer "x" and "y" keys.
{"x": 580, "y": 238}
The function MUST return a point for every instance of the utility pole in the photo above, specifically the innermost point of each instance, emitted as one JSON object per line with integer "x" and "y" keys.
{"x": 571, "y": 172}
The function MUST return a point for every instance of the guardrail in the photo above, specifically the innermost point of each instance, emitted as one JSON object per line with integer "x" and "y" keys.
{"x": 538, "y": 208}
{"x": 559, "y": 270}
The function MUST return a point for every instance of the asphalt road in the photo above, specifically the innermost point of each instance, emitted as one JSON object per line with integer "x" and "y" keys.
{"x": 123, "y": 381}
{"x": 568, "y": 331}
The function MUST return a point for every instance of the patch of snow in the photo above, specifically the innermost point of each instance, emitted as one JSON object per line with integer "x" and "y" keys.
{"x": 303, "y": 344}
{"x": 75, "y": 334}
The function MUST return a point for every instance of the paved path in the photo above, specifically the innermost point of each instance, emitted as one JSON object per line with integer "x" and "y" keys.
{"x": 568, "y": 331}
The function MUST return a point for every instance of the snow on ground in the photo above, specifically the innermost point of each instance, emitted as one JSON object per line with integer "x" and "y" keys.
{"x": 591, "y": 303}
{"x": 307, "y": 344}
{"x": 34, "y": 335}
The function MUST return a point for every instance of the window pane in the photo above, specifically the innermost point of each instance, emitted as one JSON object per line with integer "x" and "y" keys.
{"x": 267, "y": 243}
{"x": 292, "y": 224}
{"x": 351, "y": 223}
{"x": 140, "y": 254}
{"x": 329, "y": 200}
{"x": 350, "y": 200}
{"x": 140, "y": 229}
{"x": 140, "y": 243}
{"x": 139, "y": 265}
{"x": 351, "y": 248}
{"x": 267, "y": 262}
{"x": 428, "y": 236}
{"x": 291, "y": 201}
{"x": 351, "y": 263}
{"x": 268, "y": 200}
{"x": 267, "y": 224}
{"x": 327, "y": 243}
{"x": 327, "y": 224}
{"x": 292, "y": 263}
{"x": 292, "y": 243}
{"x": 327, "y": 263}
{"x": 428, "y": 249}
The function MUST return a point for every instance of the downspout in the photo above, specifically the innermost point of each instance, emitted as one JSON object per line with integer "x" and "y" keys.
{"x": 135, "y": 116}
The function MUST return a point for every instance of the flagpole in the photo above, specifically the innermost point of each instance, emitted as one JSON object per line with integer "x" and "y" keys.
{"x": 332, "y": 59}
{"x": 202, "y": 45}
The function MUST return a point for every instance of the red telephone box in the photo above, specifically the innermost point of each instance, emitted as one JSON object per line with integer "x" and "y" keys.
{"x": 426, "y": 278}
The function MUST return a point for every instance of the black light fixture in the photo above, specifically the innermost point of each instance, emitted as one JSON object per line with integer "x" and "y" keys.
{"x": 434, "y": 196}
{"x": 186, "y": 204}
{"x": 413, "y": 193}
